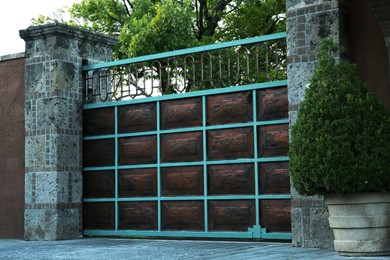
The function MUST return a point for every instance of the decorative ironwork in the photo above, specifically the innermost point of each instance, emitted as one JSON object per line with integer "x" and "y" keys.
{"x": 253, "y": 60}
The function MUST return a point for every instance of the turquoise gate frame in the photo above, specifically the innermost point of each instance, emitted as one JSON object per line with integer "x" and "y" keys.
{"x": 253, "y": 232}
{"x": 257, "y": 231}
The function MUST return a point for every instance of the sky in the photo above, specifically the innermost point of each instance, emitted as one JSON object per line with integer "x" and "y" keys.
{"x": 17, "y": 14}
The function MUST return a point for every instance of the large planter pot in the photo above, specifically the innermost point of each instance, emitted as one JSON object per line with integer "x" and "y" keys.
{"x": 360, "y": 223}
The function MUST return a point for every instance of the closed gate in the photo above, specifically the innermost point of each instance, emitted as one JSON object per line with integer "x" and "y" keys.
{"x": 210, "y": 164}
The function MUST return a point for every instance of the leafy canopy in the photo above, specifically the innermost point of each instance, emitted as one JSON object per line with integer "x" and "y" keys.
{"x": 341, "y": 140}
{"x": 152, "y": 26}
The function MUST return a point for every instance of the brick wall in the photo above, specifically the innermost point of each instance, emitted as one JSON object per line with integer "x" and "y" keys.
{"x": 11, "y": 145}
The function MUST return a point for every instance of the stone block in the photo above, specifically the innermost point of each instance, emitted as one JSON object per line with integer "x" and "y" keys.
{"x": 35, "y": 78}
{"x": 51, "y": 187}
{"x": 321, "y": 235}
{"x": 296, "y": 227}
{"x": 51, "y": 224}
{"x": 35, "y": 151}
{"x": 28, "y": 187}
{"x": 64, "y": 76}
{"x": 53, "y": 113}
{"x": 64, "y": 150}
{"x": 299, "y": 75}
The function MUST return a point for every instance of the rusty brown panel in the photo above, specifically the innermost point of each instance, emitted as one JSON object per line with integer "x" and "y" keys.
{"x": 272, "y": 104}
{"x": 138, "y": 215}
{"x": 229, "y": 108}
{"x": 181, "y": 113}
{"x": 182, "y": 215}
{"x": 137, "y": 118}
{"x": 99, "y": 121}
{"x": 235, "y": 215}
{"x": 230, "y": 143}
{"x": 231, "y": 179}
{"x": 182, "y": 181}
{"x": 274, "y": 178}
{"x": 275, "y": 215}
{"x": 99, "y": 215}
{"x": 99, "y": 184}
{"x": 99, "y": 153}
{"x": 182, "y": 147}
{"x": 138, "y": 150}
{"x": 137, "y": 182}
{"x": 274, "y": 140}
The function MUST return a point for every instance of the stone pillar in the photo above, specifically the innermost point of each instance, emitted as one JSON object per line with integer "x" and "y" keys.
{"x": 53, "y": 124}
{"x": 308, "y": 22}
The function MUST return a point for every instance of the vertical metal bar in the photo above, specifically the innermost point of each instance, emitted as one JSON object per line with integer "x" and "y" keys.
{"x": 158, "y": 166}
{"x": 116, "y": 167}
{"x": 255, "y": 146}
{"x": 205, "y": 174}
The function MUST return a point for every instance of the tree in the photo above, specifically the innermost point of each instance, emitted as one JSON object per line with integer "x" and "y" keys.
{"x": 152, "y": 26}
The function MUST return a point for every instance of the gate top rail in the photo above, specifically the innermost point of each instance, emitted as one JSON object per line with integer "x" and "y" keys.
{"x": 247, "y": 61}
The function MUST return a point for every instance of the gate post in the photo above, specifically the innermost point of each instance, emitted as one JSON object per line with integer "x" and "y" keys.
{"x": 308, "y": 22}
{"x": 53, "y": 124}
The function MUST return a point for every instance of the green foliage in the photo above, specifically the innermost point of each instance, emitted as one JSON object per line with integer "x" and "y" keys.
{"x": 341, "y": 140}
{"x": 153, "y": 26}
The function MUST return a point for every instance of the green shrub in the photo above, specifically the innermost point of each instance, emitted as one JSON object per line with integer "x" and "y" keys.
{"x": 341, "y": 140}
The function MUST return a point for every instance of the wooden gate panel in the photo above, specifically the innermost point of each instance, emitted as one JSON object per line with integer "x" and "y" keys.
{"x": 181, "y": 113}
{"x": 138, "y": 215}
{"x": 235, "y": 215}
{"x": 137, "y": 118}
{"x": 99, "y": 215}
{"x": 183, "y": 147}
{"x": 99, "y": 184}
{"x": 231, "y": 179}
{"x": 183, "y": 215}
{"x": 229, "y": 108}
{"x": 182, "y": 181}
{"x": 201, "y": 164}
{"x": 274, "y": 178}
{"x": 276, "y": 215}
{"x": 137, "y": 182}
{"x": 230, "y": 143}
{"x": 98, "y": 153}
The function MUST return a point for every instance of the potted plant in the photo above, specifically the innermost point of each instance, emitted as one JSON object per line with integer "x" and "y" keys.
{"x": 340, "y": 148}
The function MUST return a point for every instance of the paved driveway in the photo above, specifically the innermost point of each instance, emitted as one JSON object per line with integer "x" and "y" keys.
{"x": 116, "y": 249}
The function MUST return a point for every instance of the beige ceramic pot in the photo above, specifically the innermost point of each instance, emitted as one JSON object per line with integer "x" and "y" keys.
{"x": 360, "y": 223}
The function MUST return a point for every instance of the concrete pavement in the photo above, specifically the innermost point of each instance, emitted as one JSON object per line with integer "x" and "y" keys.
{"x": 117, "y": 249}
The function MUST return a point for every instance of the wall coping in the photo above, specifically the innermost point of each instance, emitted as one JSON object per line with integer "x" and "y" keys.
{"x": 57, "y": 29}
{"x": 12, "y": 56}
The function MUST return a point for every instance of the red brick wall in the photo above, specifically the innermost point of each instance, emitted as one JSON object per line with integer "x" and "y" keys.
{"x": 11, "y": 146}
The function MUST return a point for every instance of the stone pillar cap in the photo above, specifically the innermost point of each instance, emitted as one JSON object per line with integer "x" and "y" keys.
{"x": 57, "y": 29}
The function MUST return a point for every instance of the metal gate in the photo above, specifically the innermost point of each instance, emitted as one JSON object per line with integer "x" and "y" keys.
{"x": 208, "y": 164}
{"x": 202, "y": 164}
